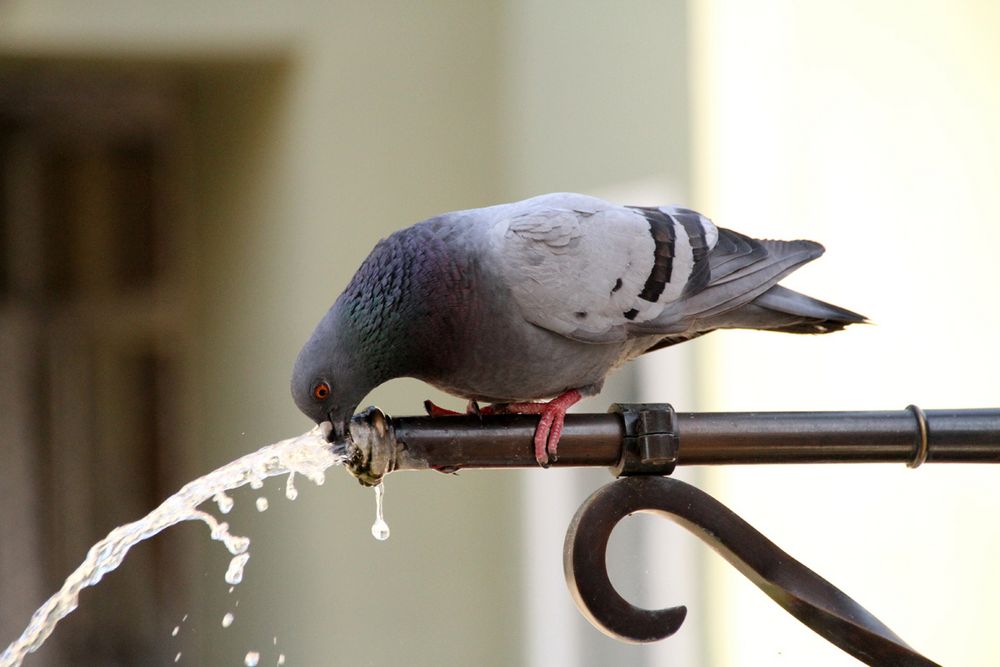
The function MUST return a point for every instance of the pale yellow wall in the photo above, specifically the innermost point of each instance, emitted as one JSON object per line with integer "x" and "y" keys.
{"x": 875, "y": 129}
{"x": 594, "y": 94}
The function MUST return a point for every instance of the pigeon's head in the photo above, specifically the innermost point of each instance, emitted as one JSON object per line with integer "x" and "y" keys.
{"x": 325, "y": 383}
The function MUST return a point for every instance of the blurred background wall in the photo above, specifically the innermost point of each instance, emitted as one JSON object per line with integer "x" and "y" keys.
{"x": 874, "y": 128}
{"x": 186, "y": 186}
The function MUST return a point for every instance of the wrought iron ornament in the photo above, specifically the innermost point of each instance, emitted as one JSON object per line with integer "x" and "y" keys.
{"x": 643, "y": 442}
{"x": 800, "y": 591}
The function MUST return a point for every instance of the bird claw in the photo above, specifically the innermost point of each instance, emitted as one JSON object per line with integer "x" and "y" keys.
{"x": 552, "y": 418}
{"x": 547, "y": 435}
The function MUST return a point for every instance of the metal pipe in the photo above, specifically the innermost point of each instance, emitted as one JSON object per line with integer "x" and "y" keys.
{"x": 953, "y": 436}
{"x": 382, "y": 445}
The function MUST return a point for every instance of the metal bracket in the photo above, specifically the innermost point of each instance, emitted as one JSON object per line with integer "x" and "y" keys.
{"x": 649, "y": 446}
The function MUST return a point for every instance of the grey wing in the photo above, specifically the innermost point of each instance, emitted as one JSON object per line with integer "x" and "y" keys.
{"x": 598, "y": 272}
{"x": 594, "y": 271}
{"x": 738, "y": 270}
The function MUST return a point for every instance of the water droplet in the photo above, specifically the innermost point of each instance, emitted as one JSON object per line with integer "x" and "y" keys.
{"x": 281, "y": 659}
{"x": 228, "y": 619}
{"x": 234, "y": 574}
{"x": 290, "y": 491}
{"x": 237, "y": 544}
{"x": 275, "y": 641}
{"x": 232, "y": 588}
{"x": 177, "y": 658}
{"x": 185, "y": 618}
{"x": 380, "y": 529}
{"x": 224, "y": 502}
{"x": 256, "y": 483}
{"x": 261, "y": 504}
{"x": 252, "y": 659}
{"x": 177, "y": 629}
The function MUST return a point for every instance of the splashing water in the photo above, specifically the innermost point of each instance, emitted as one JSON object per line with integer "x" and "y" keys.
{"x": 234, "y": 574}
{"x": 380, "y": 529}
{"x": 224, "y": 502}
{"x": 308, "y": 455}
{"x": 251, "y": 659}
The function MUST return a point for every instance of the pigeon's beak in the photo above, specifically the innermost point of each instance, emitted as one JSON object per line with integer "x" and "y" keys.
{"x": 327, "y": 427}
{"x": 339, "y": 432}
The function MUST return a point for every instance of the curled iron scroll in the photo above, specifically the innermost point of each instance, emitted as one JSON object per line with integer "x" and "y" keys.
{"x": 800, "y": 591}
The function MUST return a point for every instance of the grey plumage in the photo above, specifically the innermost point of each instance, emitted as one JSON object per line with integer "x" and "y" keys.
{"x": 527, "y": 300}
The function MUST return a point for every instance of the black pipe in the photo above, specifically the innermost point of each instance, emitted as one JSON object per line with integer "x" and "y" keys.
{"x": 953, "y": 436}
{"x": 382, "y": 445}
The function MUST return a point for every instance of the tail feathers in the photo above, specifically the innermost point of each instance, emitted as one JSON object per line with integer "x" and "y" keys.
{"x": 784, "y": 300}
{"x": 748, "y": 283}
{"x": 782, "y": 309}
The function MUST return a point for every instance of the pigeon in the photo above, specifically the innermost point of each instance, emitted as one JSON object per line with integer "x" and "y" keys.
{"x": 541, "y": 299}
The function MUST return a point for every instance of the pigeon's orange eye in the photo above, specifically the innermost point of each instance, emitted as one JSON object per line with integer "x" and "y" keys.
{"x": 321, "y": 391}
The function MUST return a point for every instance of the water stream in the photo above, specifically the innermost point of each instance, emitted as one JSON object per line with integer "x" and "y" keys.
{"x": 308, "y": 455}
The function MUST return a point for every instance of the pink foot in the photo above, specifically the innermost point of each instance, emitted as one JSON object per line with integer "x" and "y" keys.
{"x": 550, "y": 426}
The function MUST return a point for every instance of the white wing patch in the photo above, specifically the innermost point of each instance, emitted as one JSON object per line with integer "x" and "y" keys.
{"x": 579, "y": 273}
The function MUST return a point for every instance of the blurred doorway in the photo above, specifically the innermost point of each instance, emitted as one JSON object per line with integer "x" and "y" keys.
{"x": 94, "y": 323}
